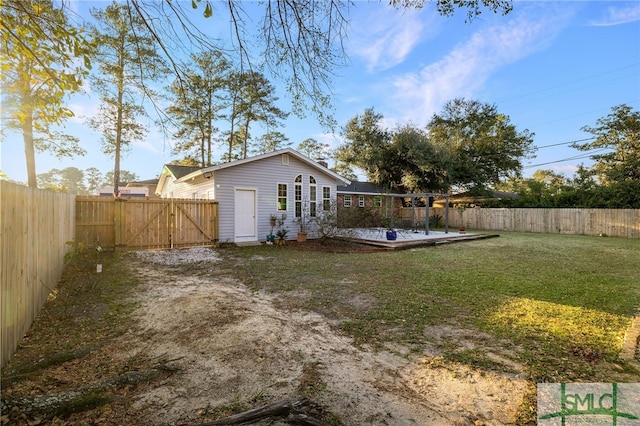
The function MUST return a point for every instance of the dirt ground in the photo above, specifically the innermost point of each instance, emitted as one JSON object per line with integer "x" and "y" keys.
{"x": 225, "y": 348}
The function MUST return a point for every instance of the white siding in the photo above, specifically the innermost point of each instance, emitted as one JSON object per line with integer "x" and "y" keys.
{"x": 263, "y": 176}
{"x": 200, "y": 186}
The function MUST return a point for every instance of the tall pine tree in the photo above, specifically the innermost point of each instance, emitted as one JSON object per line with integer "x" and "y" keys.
{"x": 128, "y": 64}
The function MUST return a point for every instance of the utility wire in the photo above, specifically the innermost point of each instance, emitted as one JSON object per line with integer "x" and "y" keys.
{"x": 566, "y": 143}
{"x": 569, "y": 82}
{"x": 577, "y": 157}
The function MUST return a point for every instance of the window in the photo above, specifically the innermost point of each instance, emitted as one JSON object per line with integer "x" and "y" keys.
{"x": 377, "y": 201}
{"x": 326, "y": 198}
{"x": 297, "y": 196}
{"x": 282, "y": 197}
{"x": 313, "y": 197}
{"x": 360, "y": 200}
{"x": 347, "y": 200}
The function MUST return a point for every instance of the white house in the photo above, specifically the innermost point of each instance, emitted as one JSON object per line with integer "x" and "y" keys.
{"x": 251, "y": 190}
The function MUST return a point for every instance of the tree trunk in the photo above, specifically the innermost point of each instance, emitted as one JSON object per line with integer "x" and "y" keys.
{"x": 301, "y": 411}
{"x": 119, "y": 119}
{"x": 29, "y": 149}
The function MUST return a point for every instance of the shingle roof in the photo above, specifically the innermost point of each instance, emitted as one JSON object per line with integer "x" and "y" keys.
{"x": 179, "y": 171}
{"x": 362, "y": 188}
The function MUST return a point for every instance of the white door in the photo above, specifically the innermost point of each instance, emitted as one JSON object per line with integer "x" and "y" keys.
{"x": 245, "y": 217}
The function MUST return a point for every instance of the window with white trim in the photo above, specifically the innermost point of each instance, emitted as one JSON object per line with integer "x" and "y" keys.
{"x": 360, "y": 200}
{"x": 313, "y": 197}
{"x": 282, "y": 197}
{"x": 377, "y": 201}
{"x": 347, "y": 200}
{"x": 326, "y": 198}
{"x": 297, "y": 196}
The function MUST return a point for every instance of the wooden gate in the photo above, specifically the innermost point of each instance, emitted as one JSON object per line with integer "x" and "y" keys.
{"x": 138, "y": 224}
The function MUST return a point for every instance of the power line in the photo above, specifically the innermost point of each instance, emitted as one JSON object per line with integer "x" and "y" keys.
{"x": 577, "y": 157}
{"x": 566, "y": 143}
{"x": 570, "y": 82}
{"x": 579, "y": 114}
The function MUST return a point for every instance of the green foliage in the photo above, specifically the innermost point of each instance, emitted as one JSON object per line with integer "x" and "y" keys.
{"x": 198, "y": 100}
{"x": 366, "y": 146}
{"x": 483, "y": 146}
{"x": 271, "y": 141}
{"x": 326, "y": 223}
{"x": 352, "y": 217}
{"x": 314, "y": 149}
{"x": 435, "y": 221}
{"x": 469, "y": 145}
{"x": 127, "y": 61}
{"x": 281, "y": 234}
{"x": 81, "y": 182}
{"x": 69, "y": 180}
{"x": 279, "y": 223}
{"x": 255, "y": 101}
{"x": 613, "y": 181}
{"x": 619, "y": 135}
{"x": 39, "y": 52}
{"x": 448, "y": 7}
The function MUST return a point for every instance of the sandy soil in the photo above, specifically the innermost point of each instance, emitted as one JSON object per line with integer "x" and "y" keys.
{"x": 230, "y": 346}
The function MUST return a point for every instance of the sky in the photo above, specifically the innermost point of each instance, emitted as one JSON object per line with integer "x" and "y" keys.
{"x": 551, "y": 67}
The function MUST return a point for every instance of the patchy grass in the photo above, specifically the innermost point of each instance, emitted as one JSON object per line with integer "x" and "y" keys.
{"x": 561, "y": 303}
{"x": 87, "y": 306}
{"x": 85, "y": 311}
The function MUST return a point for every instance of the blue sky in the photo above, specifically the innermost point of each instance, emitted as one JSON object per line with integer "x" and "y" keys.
{"x": 552, "y": 67}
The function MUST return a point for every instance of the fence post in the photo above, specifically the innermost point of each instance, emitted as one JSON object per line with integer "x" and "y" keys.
{"x": 118, "y": 217}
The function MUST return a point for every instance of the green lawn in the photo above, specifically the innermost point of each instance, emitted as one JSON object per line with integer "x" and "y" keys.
{"x": 559, "y": 305}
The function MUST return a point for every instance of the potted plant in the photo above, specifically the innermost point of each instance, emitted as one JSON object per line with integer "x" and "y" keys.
{"x": 281, "y": 236}
{"x": 273, "y": 222}
{"x": 392, "y": 235}
{"x": 461, "y": 208}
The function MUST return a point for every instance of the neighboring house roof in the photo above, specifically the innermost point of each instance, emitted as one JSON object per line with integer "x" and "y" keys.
{"x": 370, "y": 188}
{"x": 144, "y": 182}
{"x": 362, "y": 188}
{"x": 174, "y": 170}
{"x": 179, "y": 172}
{"x": 292, "y": 152}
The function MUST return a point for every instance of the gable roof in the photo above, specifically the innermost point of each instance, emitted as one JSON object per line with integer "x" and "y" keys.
{"x": 179, "y": 171}
{"x": 289, "y": 151}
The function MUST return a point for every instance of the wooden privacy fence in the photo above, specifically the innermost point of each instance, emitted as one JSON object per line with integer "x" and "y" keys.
{"x": 35, "y": 226}
{"x": 612, "y": 222}
{"x": 133, "y": 223}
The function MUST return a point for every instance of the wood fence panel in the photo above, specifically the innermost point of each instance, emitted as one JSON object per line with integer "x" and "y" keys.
{"x": 145, "y": 224}
{"x": 36, "y": 226}
{"x": 94, "y": 221}
{"x": 612, "y": 222}
{"x": 196, "y": 221}
{"x": 141, "y": 224}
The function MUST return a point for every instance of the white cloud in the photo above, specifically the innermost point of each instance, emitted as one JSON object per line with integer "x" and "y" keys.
{"x": 464, "y": 71}
{"x": 619, "y": 16}
{"x": 389, "y": 37}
